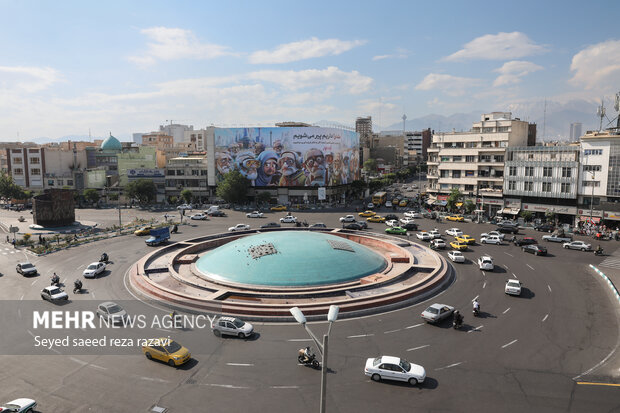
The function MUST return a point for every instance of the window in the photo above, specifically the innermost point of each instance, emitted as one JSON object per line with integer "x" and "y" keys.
{"x": 528, "y": 186}
{"x": 592, "y": 152}
{"x": 69, "y": 182}
{"x": 195, "y": 172}
{"x": 469, "y": 187}
{"x": 548, "y": 171}
{"x": 485, "y": 158}
{"x": 512, "y": 171}
{"x": 17, "y": 161}
{"x": 470, "y": 158}
{"x": 35, "y": 160}
{"x": 203, "y": 172}
{"x": 566, "y": 172}
{"x": 595, "y": 184}
{"x": 503, "y": 129}
{"x": 488, "y": 130}
{"x": 546, "y": 186}
{"x": 443, "y": 174}
{"x": 445, "y": 159}
{"x": 35, "y": 171}
{"x": 469, "y": 173}
{"x": 457, "y": 158}
{"x": 180, "y": 172}
{"x": 529, "y": 171}
{"x": 456, "y": 174}
{"x": 565, "y": 188}
{"x": 512, "y": 185}
{"x": 591, "y": 168}
{"x": 50, "y": 182}
{"x": 60, "y": 182}
{"x": 18, "y": 171}
{"x": 499, "y": 158}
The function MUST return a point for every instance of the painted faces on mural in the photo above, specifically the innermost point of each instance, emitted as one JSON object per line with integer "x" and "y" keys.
{"x": 277, "y": 147}
{"x": 223, "y": 162}
{"x": 258, "y": 148}
{"x": 289, "y": 163}
{"x": 315, "y": 165}
{"x": 248, "y": 165}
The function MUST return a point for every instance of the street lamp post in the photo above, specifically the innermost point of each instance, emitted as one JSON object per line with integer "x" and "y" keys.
{"x": 332, "y": 315}
{"x": 592, "y": 196}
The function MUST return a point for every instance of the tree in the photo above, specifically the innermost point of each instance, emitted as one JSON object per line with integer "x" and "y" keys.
{"x": 233, "y": 188}
{"x": 91, "y": 195}
{"x": 375, "y": 184}
{"x": 187, "y": 195}
{"x": 527, "y": 215}
{"x": 402, "y": 174}
{"x": 370, "y": 165}
{"x": 263, "y": 197}
{"x": 143, "y": 190}
{"x": 453, "y": 198}
{"x": 469, "y": 206}
{"x": 358, "y": 186}
{"x": 9, "y": 189}
{"x": 550, "y": 215}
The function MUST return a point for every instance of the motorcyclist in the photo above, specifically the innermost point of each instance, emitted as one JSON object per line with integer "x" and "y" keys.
{"x": 598, "y": 250}
{"x": 307, "y": 353}
{"x": 476, "y": 306}
{"x": 55, "y": 279}
{"x": 77, "y": 285}
{"x": 175, "y": 228}
{"x": 458, "y": 318}
{"x": 104, "y": 257}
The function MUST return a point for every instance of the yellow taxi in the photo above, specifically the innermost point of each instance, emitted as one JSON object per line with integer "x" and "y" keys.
{"x": 403, "y": 203}
{"x": 456, "y": 218}
{"x": 166, "y": 350}
{"x": 466, "y": 239}
{"x": 279, "y": 208}
{"x": 458, "y": 245}
{"x": 395, "y": 201}
{"x": 367, "y": 214}
{"x": 143, "y": 231}
{"x": 375, "y": 218}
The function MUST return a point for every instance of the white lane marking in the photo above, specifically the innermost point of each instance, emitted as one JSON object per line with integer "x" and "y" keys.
{"x": 163, "y": 329}
{"x": 83, "y": 363}
{"x": 240, "y": 364}
{"x": 545, "y": 317}
{"x": 531, "y": 268}
{"x": 515, "y": 275}
{"x": 484, "y": 284}
{"x": 418, "y": 348}
{"x": 475, "y": 298}
{"x": 451, "y": 365}
{"x": 508, "y": 254}
{"x": 80, "y": 266}
{"x": 361, "y": 335}
{"x": 19, "y": 312}
{"x": 598, "y": 364}
{"x": 417, "y": 325}
{"x": 391, "y": 331}
{"x": 22, "y": 297}
{"x": 227, "y": 386}
{"x": 512, "y": 342}
{"x": 475, "y": 329}
{"x": 93, "y": 294}
{"x": 505, "y": 311}
{"x": 505, "y": 266}
{"x": 152, "y": 379}
{"x": 97, "y": 367}
{"x": 549, "y": 287}
{"x": 299, "y": 339}
{"x": 283, "y": 387}
{"x": 33, "y": 283}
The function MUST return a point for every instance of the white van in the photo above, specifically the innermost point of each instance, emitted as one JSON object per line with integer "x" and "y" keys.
{"x": 212, "y": 209}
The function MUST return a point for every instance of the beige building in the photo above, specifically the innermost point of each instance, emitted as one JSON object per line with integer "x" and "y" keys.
{"x": 188, "y": 172}
{"x": 473, "y": 161}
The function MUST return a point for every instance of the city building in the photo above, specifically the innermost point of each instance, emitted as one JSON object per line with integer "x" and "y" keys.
{"x": 27, "y": 167}
{"x": 177, "y": 131}
{"x": 158, "y": 139}
{"x": 473, "y": 161}
{"x": 575, "y": 131}
{"x": 542, "y": 179}
{"x": 188, "y": 172}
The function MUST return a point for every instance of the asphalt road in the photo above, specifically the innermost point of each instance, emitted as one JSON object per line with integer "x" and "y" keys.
{"x": 524, "y": 353}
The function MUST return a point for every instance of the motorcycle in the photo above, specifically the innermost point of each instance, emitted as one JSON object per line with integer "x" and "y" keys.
{"x": 476, "y": 312}
{"x": 77, "y": 287}
{"x": 55, "y": 281}
{"x": 175, "y": 229}
{"x": 598, "y": 252}
{"x": 104, "y": 258}
{"x": 307, "y": 360}
{"x": 457, "y": 323}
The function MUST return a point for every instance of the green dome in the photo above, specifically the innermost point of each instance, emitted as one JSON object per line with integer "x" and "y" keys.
{"x": 290, "y": 258}
{"x": 111, "y": 144}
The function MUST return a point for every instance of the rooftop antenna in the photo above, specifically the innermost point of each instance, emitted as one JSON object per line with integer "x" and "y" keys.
{"x": 600, "y": 112}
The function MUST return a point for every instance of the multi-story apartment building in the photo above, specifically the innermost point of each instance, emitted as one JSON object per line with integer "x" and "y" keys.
{"x": 188, "y": 172}
{"x": 27, "y": 166}
{"x": 158, "y": 139}
{"x": 542, "y": 179}
{"x": 473, "y": 161}
{"x": 599, "y": 181}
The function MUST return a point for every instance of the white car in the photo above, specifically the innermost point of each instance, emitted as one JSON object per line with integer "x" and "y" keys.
{"x": 437, "y": 312}
{"x": 52, "y": 293}
{"x": 290, "y": 219}
{"x": 19, "y": 406}
{"x": 392, "y": 223}
{"x": 513, "y": 287}
{"x": 405, "y": 221}
{"x": 491, "y": 239}
{"x": 456, "y": 256}
{"x": 94, "y": 269}
{"x": 370, "y": 205}
{"x": 577, "y": 245}
{"x": 455, "y": 232}
{"x": 348, "y": 218}
{"x": 232, "y": 326}
{"x": 185, "y": 206}
{"x": 239, "y": 227}
{"x": 486, "y": 263}
{"x": 254, "y": 214}
{"x": 435, "y": 234}
{"x": 111, "y": 312}
{"x": 200, "y": 216}
{"x": 424, "y": 236}
{"x": 394, "y": 368}
{"x": 388, "y": 204}
{"x": 438, "y": 243}
{"x": 493, "y": 233}
{"x": 411, "y": 214}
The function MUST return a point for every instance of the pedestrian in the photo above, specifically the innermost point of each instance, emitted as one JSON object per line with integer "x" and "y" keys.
{"x": 40, "y": 239}
{"x": 7, "y": 239}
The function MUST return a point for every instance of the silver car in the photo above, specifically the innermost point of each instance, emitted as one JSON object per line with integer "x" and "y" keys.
{"x": 111, "y": 312}
{"x": 437, "y": 312}
{"x": 577, "y": 245}
{"x": 233, "y": 327}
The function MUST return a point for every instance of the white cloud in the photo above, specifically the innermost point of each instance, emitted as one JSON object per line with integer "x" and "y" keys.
{"x": 353, "y": 82}
{"x": 512, "y": 72}
{"x": 27, "y": 79}
{"x": 448, "y": 84}
{"x": 597, "y": 66}
{"x": 174, "y": 44}
{"x": 501, "y": 46}
{"x": 389, "y": 56}
{"x": 305, "y": 49}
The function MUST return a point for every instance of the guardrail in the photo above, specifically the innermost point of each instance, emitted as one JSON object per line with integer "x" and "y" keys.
{"x": 611, "y": 285}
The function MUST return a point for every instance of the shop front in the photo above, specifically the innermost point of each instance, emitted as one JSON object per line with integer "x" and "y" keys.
{"x": 563, "y": 214}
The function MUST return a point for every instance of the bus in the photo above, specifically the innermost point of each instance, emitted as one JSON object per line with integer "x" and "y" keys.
{"x": 379, "y": 198}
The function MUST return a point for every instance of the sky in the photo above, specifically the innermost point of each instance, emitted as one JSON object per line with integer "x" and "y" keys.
{"x": 80, "y": 68}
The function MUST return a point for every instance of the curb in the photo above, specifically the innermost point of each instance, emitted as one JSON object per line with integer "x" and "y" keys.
{"x": 611, "y": 285}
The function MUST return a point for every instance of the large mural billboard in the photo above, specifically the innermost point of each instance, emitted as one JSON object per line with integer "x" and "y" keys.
{"x": 288, "y": 156}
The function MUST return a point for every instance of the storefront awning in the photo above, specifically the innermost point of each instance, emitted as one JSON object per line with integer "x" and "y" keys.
{"x": 459, "y": 204}
{"x": 441, "y": 203}
{"x": 511, "y": 211}
{"x": 431, "y": 201}
{"x": 506, "y": 211}
{"x": 595, "y": 220}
